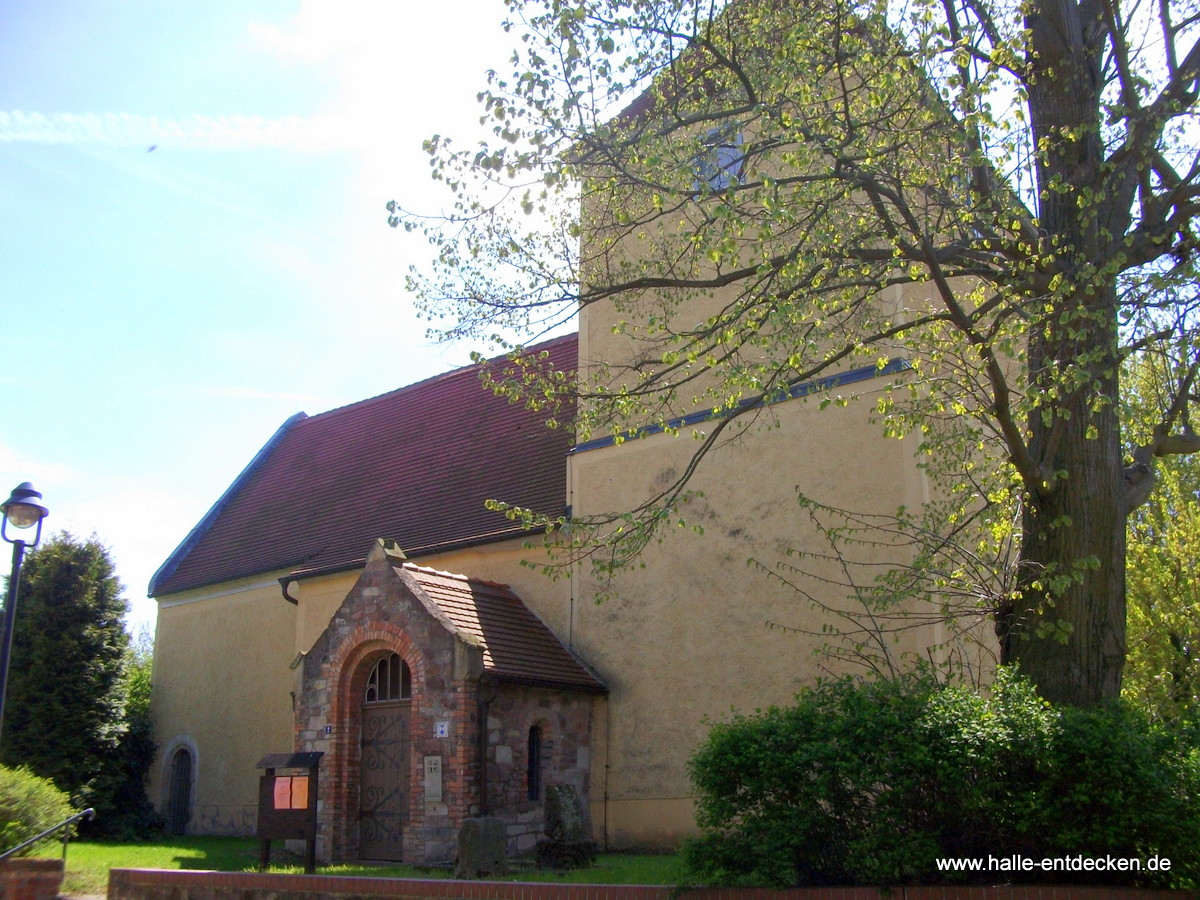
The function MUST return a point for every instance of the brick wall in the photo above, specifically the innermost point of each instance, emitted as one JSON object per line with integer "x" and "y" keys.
{"x": 383, "y": 614}
{"x": 30, "y": 879}
{"x": 141, "y": 884}
{"x": 378, "y": 618}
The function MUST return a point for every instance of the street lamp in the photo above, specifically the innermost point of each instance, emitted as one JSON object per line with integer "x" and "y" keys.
{"x": 22, "y": 510}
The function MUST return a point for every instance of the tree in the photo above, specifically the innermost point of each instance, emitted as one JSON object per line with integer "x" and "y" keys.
{"x": 1164, "y": 597}
{"x": 65, "y": 710}
{"x": 1025, "y": 172}
{"x": 1164, "y": 587}
{"x": 118, "y": 793}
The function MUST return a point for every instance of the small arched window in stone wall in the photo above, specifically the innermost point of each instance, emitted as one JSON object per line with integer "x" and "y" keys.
{"x": 389, "y": 681}
{"x": 533, "y": 771}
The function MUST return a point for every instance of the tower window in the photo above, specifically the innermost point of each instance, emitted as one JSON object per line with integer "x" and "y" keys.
{"x": 719, "y": 163}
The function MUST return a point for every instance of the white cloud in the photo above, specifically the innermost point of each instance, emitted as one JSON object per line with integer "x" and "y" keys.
{"x": 322, "y": 30}
{"x": 17, "y": 467}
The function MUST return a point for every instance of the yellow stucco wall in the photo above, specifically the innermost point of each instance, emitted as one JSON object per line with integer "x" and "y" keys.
{"x": 696, "y": 631}
{"x": 684, "y": 640}
{"x": 693, "y": 633}
{"x": 690, "y": 636}
{"x": 317, "y": 601}
{"x": 221, "y": 688}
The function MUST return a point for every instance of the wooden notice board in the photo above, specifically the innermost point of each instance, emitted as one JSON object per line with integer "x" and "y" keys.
{"x": 287, "y": 803}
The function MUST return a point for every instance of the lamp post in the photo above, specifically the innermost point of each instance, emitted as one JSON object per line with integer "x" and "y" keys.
{"x": 22, "y": 510}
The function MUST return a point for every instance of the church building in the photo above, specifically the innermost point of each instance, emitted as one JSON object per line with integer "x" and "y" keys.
{"x": 352, "y": 593}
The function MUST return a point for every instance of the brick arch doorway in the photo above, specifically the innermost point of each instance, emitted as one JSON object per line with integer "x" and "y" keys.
{"x": 385, "y": 760}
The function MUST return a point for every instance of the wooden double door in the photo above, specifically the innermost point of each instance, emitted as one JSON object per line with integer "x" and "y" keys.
{"x": 386, "y": 764}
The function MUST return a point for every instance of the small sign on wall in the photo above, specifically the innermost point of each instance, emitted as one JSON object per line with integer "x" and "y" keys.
{"x": 433, "y": 779}
{"x": 441, "y": 728}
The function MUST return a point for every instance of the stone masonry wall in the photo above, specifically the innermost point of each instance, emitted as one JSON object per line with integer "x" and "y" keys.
{"x": 380, "y": 616}
{"x": 565, "y": 722}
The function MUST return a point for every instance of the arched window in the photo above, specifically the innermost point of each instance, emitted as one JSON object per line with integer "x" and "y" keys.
{"x": 389, "y": 681}
{"x": 179, "y": 795}
{"x": 533, "y": 763}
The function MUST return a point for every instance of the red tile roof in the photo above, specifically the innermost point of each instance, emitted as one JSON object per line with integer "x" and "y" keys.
{"x": 415, "y": 465}
{"x": 517, "y": 645}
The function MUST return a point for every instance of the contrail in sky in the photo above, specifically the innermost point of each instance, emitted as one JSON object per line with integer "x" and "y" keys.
{"x": 189, "y": 133}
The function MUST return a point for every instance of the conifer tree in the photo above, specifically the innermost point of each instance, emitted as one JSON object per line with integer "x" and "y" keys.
{"x": 65, "y": 709}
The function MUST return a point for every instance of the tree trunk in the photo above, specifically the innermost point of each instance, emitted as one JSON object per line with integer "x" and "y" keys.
{"x": 1066, "y": 627}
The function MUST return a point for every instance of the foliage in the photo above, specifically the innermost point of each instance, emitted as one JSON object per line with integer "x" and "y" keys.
{"x": 954, "y": 579}
{"x": 1163, "y": 670}
{"x": 873, "y": 782}
{"x": 123, "y": 810}
{"x": 999, "y": 195}
{"x": 65, "y": 710}
{"x": 28, "y": 806}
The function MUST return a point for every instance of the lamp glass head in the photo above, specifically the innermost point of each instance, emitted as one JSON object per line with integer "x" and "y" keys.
{"x": 22, "y": 509}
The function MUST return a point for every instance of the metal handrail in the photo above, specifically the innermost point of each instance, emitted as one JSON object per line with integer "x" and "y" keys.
{"x": 88, "y": 814}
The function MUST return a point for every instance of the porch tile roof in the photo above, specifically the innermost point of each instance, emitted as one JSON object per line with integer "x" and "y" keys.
{"x": 517, "y": 646}
{"x": 415, "y": 465}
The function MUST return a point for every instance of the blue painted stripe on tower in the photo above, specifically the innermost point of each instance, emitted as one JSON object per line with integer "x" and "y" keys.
{"x": 827, "y": 383}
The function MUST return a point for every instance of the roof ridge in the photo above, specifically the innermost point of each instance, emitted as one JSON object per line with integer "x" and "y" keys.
{"x": 440, "y": 376}
{"x": 457, "y": 576}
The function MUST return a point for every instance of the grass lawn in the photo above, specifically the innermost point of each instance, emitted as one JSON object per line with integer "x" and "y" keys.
{"x": 88, "y": 863}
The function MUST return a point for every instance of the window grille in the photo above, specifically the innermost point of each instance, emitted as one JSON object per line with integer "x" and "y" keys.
{"x": 533, "y": 773}
{"x": 389, "y": 681}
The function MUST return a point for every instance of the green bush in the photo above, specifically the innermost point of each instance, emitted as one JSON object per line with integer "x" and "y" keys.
{"x": 872, "y": 783}
{"x": 28, "y": 806}
{"x": 1113, "y": 784}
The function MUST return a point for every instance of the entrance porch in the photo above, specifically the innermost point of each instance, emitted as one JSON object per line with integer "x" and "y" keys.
{"x": 436, "y": 697}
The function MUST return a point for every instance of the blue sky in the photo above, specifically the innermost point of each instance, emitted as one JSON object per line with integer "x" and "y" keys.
{"x": 163, "y": 311}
